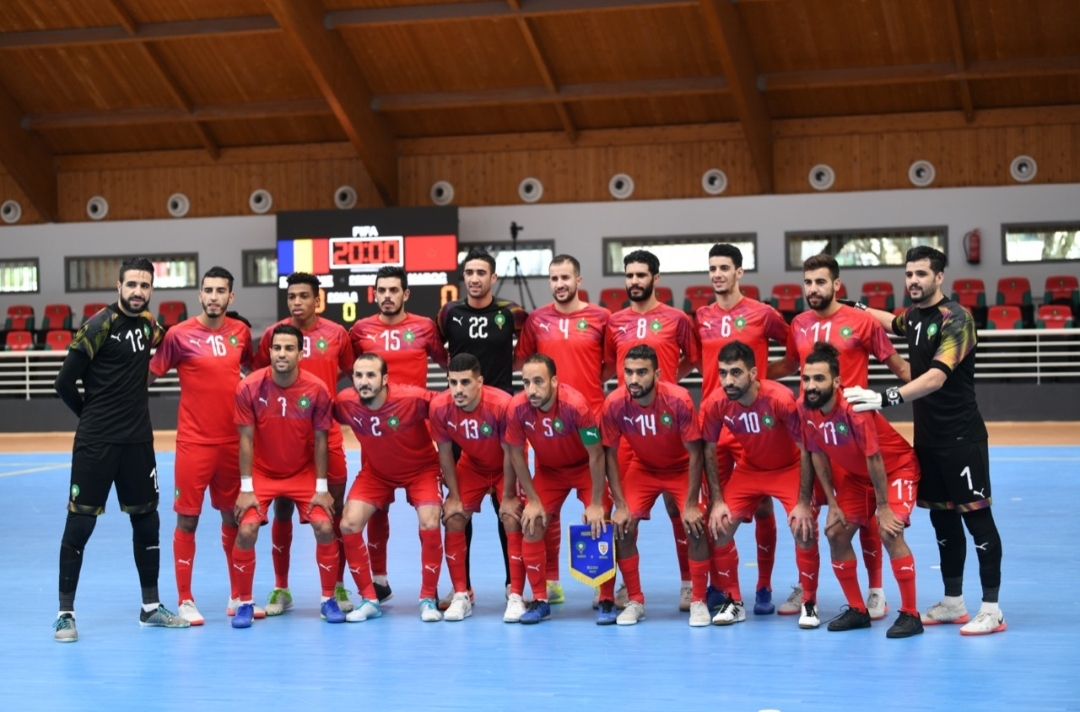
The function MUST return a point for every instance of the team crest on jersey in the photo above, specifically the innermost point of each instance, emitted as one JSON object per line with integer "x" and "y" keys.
{"x": 409, "y": 336}
{"x": 740, "y": 323}
{"x": 845, "y": 332}
{"x": 656, "y": 326}
{"x": 558, "y": 425}
{"x": 500, "y": 320}
{"x": 176, "y": 493}
{"x": 768, "y": 420}
{"x": 233, "y": 340}
{"x": 932, "y": 330}
{"x": 321, "y": 344}
{"x": 304, "y": 402}
{"x": 74, "y": 491}
{"x": 582, "y": 325}
{"x": 842, "y": 428}
{"x": 146, "y": 331}
{"x": 666, "y": 419}
{"x": 393, "y": 421}
{"x": 486, "y": 429}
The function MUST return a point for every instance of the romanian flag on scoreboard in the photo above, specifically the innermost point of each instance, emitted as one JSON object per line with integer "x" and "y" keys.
{"x": 309, "y": 255}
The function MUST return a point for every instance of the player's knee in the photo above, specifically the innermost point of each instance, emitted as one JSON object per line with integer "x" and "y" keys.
{"x": 698, "y": 548}
{"x": 247, "y": 535}
{"x": 77, "y": 530}
{"x": 187, "y": 523}
{"x": 145, "y": 527}
{"x": 324, "y": 532}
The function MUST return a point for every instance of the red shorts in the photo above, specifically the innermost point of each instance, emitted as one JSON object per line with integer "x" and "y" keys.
{"x": 420, "y": 490}
{"x": 553, "y": 487}
{"x": 201, "y": 465}
{"x": 474, "y": 484}
{"x": 641, "y": 487}
{"x": 856, "y": 497}
{"x": 337, "y": 472}
{"x": 300, "y": 488}
{"x": 747, "y": 487}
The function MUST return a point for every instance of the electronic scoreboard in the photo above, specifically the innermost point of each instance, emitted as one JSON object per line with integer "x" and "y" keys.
{"x": 345, "y": 248}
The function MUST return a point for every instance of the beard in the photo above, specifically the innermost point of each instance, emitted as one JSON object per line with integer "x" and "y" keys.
{"x": 126, "y": 306}
{"x": 735, "y": 393}
{"x": 391, "y": 311}
{"x": 646, "y": 294}
{"x": 824, "y": 396}
{"x": 826, "y": 300}
{"x": 644, "y": 392}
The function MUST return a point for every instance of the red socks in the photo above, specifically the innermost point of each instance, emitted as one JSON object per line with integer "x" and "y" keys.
{"x": 725, "y": 560}
{"x": 455, "y": 560}
{"x": 244, "y": 567}
{"x": 848, "y": 577}
{"x": 517, "y": 563}
{"x": 870, "y": 539}
{"x": 681, "y": 547}
{"x": 378, "y": 534}
{"x": 904, "y": 571}
{"x": 327, "y": 557}
{"x": 228, "y": 541}
{"x": 341, "y": 548}
{"x": 431, "y": 556}
{"x": 183, "y": 558}
{"x": 699, "y": 578}
{"x": 631, "y": 577}
{"x": 809, "y": 564}
{"x": 553, "y": 543}
{"x": 356, "y": 553}
{"x": 534, "y": 554}
{"x": 765, "y": 534}
{"x": 281, "y": 546}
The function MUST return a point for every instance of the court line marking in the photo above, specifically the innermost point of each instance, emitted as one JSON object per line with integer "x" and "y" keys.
{"x": 1035, "y": 459}
{"x": 33, "y": 469}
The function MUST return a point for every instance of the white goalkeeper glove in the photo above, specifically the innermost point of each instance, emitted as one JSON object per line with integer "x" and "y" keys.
{"x": 863, "y": 399}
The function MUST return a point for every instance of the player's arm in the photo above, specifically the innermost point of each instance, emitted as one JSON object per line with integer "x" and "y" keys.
{"x": 900, "y": 368}
{"x": 67, "y": 381}
{"x": 322, "y": 496}
{"x": 692, "y": 517}
{"x": 801, "y": 518}
{"x": 620, "y": 518}
{"x": 719, "y": 514}
{"x": 246, "y": 499}
{"x": 533, "y": 514}
{"x": 452, "y": 506}
{"x": 823, "y": 468}
{"x": 864, "y": 399}
{"x": 781, "y": 368}
{"x": 887, "y": 519}
{"x": 883, "y": 317}
{"x": 594, "y": 513}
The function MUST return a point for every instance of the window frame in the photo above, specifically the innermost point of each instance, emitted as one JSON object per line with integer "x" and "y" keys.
{"x": 495, "y": 247}
{"x": 790, "y": 235}
{"x": 245, "y": 255}
{"x": 174, "y": 256}
{"x": 1035, "y": 227}
{"x": 644, "y": 243}
{"x": 16, "y": 262}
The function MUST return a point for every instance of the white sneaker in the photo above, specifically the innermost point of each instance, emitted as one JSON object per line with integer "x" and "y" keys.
{"x": 731, "y": 612}
{"x": 793, "y": 604}
{"x": 876, "y": 606}
{"x": 234, "y": 603}
{"x": 622, "y": 597}
{"x": 943, "y": 612}
{"x": 366, "y": 610}
{"x": 280, "y": 600}
{"x": 686, "y": 596}
{"x": 633, "y": 613}
{"x": 445, "y": 601}
{"x": 460, "y": 608}
{"x": 190, "y": 613}
{"x": 809, "y": 618}
{"x": 429, "y": 610}
{"x": 515, "y": 606}
{"x": 699, "y": 615}
{"x": 984, "y": 623}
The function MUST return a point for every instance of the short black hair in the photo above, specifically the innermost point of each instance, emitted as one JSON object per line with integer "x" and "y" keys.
{"x": 478, "y": 253}
{"x": 216, "y": 272}
{"x": 937, "y": 258}
{"x": 643, "y": 352}
{"x": 464, "y": 362}
{"x": 822, "y": 261}
{"x": 392, "y": 272}
{"x": 560, "y": 259}
{"x": 644, "y": 257}
{"x": 824, "y": 352}
{"x": 737, "y": 351}
{"x": 372, "y": 356}
{"x": 723, "y": 249}
{"x": 304, "y": 278}
{"x": 288, "y": 330}
{"x": 544, "y": 359}
{"x": 136, "y": 264}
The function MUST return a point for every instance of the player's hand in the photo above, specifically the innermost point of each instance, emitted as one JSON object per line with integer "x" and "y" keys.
{"x": 835, "y": 517}
{"x": 244, "y": 502}
{"x": 719, "y": 519}
{"x": 533, "y": 519}
{"x": 510, "y": 508}
{"x": 452, "y": 507}
{"x": 801, "y": 520}
{"x": 862, "y": 399}
{"x": 594, "y": 517}
{"x": 693, "y": 520}
{"x": 324, "y": 500}
{"x": 620, "y": 520}
{"x": 852, "y": 303}
{"x": 888, "y": 523}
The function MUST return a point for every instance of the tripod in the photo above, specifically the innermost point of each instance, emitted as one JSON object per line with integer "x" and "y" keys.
{"x": 513, "y": 271}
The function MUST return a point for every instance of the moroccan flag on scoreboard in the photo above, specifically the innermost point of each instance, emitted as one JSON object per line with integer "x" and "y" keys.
{"x": 308, "y": 255}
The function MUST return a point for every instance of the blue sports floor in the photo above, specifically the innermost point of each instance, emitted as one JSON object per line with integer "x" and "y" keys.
{"x": 298, "y": 662}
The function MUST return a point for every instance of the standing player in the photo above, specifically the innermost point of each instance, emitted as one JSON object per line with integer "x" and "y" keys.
{"x": 657, "y": 419}
{"x": 764, "y": 419}
{"x": 670, "y": 333}
{"x": 405, "y": 342}
{"x": 391, "y": 423}
{"x": 879, "y": 480}
{"x": 485, "y": 327}
{"x": 556, "y": 421}
{"x": 326, "y": 354}
{"x": 473, "y": 417}
{"x": 209, "y": 352}
{"x": 733, "y": 316}
{"x": 283, "y": 415}
{"x": 114, "y": 441}
{"x": 950, "y": 438}
{"x": 571, "y": 332}
{"x": 857, "y": 336}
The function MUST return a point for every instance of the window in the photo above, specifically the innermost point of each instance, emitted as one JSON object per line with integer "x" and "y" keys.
{"x": 1052, "y": 242}
{"x": 534, "y": 256}
{"x": 99, "y": 274}
{"x": 19, "y": 275}
{"x": 678, "y": 254}
{"x": 884, "y": 247}
{"x": 260, "y": 268}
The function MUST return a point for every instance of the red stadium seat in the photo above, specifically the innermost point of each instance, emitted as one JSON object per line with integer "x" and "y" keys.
{"x": 171, "y": 313}
{"x": 20, "y": 317}
{"x": 787, "y": 297}
{"x": 899, "y": 310}
{"x": 878, "y": 295}
{"x": 665, "y": 295}
{"x": 19, "y": 340}
{"x": 1054, "y": 316}
{"x": 57, "y": 340}
{"x": 750, "y": 290}
{"x": 56, "y": 316}
{"x": 842, "y": 292}
{"x": 91, "y": 309}
{"x": 583, "y": 295}
{"x": 1062, "y": 289}
{"x": 1004, "y": 317}
{"x": 696, "y": 297}
{"x": 613, "y": 298}
{"x": 1014, "y": 290}
{"x": 970, "y": 293}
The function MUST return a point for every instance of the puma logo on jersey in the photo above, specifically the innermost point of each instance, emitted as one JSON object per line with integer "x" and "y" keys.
{"x": 729, "y": 419}
{"x": 629, "y": 420}
{"x": 369, "y": 336}
{"x": 115, "y": 336}
{"x": 458, "y": 320}
{"x": 264, "y": 401}
{"x": 529, "y": 425}
{"x": 707, "y": 324}
{"x": 623, "y": 328}
{"x": 452, "y": 425}
{"x": 358, "y": 421}
{"x": 544, "y": 326}
{"x": 432, "y": 569}
{"x": 198, "y": 344}
{"x": 979, "y": 492}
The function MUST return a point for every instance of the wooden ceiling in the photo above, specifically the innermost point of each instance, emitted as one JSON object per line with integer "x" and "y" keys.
{"x": 126, "y": 76}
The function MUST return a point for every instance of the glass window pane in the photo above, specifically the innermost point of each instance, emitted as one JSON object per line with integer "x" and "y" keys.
{"x": 533, "y": 257}
{"x": 862, "y": 248}
{"x": 679, "y": 254}
{"x": 19, "y": 275}
{"x": 1035, "y": 243}
{"x": 86, "y": 274}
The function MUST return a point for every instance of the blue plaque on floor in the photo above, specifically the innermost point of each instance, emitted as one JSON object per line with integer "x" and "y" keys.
{"x": 592, "y": 561}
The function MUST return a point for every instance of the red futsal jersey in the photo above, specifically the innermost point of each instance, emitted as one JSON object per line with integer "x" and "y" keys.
{"x": 665, "y": 328}
{"x": 752, "y": 322}
{"x": 208, "y": 362}
{"x": 768, "y": 430}
{"x": 575, "y": 342}
{"x": 853, "y": 332}
{"x": 404, "y": 346}
{"x": 848, "y": 438}
{"x": 285, "y": 421}
{"x": 558, "y": 436}
{"x": 394, "y": 439}
{"x": 480, "y": 433}
{"x": 655, "y": 432}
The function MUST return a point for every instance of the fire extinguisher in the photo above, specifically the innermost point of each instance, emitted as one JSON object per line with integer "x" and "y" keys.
{"x": 973, "y": 246}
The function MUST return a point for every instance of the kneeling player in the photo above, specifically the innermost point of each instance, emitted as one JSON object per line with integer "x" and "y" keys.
{"x": 881, "y": 474}
{"x": 764, "y": 420}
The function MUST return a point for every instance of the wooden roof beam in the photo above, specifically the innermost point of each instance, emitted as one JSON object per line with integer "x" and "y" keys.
{"x": 335, "y": 71}
{"x": 27, "y": 160}
{"x": 144, "y": 116}
{"x": 542, "y": 66}
{"x": 733, "y": 50}
{"x": 151, "y": 32}
{"x": 956, "y": 43}
{"x": 459, "y": 11}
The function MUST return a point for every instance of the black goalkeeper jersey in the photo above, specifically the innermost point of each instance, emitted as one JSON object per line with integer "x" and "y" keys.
{"x": 487, "y": 333}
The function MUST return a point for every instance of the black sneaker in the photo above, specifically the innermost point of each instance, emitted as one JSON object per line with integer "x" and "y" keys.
{"x": 906, "y": 625}
{"x": 383, "y": 592}
{"x": 850, "y": 619}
